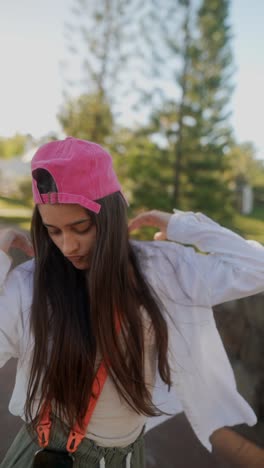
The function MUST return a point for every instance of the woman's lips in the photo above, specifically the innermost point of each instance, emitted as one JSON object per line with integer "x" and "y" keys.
{"x": 75, "y": 259}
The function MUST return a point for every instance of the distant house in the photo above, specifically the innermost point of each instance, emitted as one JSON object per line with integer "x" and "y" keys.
{"x": 13, "y": 170}
{"x": 244, "y": 196}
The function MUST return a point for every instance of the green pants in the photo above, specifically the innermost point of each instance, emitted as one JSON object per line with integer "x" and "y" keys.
{"x": 88, "y": 455}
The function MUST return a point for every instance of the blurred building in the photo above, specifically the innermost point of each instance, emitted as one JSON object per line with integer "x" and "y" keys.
{"x": 244, "y": 196}
{"x": 15, "y": 170}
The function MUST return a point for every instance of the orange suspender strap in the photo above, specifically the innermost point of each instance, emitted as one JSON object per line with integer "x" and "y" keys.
{"x": 76, "y": 434}
{"x": 44, "y": 425}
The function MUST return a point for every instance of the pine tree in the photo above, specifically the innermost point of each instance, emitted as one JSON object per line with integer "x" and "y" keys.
{"x": 192, "y": 116}
{"x": 206, "y": 100}
{"x": 98, "y": 39}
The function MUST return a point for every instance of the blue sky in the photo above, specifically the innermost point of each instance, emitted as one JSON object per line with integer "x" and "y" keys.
{"x": 248, "y": 45}
{"x": 32, "y": 45}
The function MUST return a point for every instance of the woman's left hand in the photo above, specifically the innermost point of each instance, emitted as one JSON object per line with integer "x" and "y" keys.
{"x": 153, "y": 218}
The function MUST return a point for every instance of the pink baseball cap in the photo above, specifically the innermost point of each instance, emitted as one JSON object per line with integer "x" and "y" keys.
{"x": 82, "y": 170}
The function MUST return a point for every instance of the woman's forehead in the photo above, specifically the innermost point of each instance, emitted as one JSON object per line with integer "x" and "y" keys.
{"x": 62, "y": 213}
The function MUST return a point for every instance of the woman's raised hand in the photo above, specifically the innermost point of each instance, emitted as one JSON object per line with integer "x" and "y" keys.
{"x": 10, "y": 238}
{"x": 154, "y": 218}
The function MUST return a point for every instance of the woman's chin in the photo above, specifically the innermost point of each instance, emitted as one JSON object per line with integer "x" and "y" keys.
{"x": 81, "y": 264}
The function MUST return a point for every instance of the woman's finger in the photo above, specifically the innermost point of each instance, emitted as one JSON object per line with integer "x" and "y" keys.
{"x": 154, "y": 218}
{"x": 23, "y": 242}
{"x": 6, "y": 239}
{"x": 13, "y": 238}
{"x": 160, "y": 236}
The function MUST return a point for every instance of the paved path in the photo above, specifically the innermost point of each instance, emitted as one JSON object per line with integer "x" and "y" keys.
{"x": 171, "y": 445}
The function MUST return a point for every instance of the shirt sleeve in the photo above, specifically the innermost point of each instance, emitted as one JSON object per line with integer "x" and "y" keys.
{"x": 230, "y": 266}
{"x": 9, "y": 311}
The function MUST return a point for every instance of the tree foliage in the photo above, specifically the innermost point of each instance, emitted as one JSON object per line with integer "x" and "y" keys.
{"x": 100, "y": 38}
{"x": 192, "y": 119}
{"x": 138, "y": 161}
{"x": 244, "y": 164}
{"x": 179, "y": 157}
{"x": 87, "y": 117}
{"x": 12, "y": 146}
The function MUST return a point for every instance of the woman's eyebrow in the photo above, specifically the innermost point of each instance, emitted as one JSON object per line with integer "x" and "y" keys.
{"x": 70, "y": 224}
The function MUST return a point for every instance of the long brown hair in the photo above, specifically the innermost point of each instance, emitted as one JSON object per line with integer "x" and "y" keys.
{"x": 73, "y": 319}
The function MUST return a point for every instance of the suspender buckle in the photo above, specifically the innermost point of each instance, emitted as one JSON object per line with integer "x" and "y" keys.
{"x": 43, "y": 431}
{"x": 74, "y": 441}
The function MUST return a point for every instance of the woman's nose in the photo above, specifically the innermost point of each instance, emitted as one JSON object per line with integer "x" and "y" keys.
{"x": 70, "y": 245}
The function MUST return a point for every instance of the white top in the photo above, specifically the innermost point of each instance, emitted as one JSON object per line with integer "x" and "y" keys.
{"x": 114, "y": 423}
{"x": 188, "y": 284}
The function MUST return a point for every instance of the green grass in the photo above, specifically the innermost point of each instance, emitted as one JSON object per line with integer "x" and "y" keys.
{"x": 21, "y": 222}
{"x": 257, "y": 213}
{"x": 6, "y": 202}
{"x": 250, "y": 227}
{"x": 16, "y": 212}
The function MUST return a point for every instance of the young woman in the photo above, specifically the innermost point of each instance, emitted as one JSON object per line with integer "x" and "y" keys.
{"x": 114, "y": 335}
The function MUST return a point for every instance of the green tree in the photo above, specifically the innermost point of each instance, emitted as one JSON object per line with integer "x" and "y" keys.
{"x": 13, "y": 146}
{"x": 189, "y": 131}
{"x": 99, "y": 39}
{"x": 193, "y": 119}
{"x": 207, "y": 97}
{"x": 87, "y": 117}
{"x": 138, "y": 161}
{"x": 244, "y": 164}
{"x": 247, "y": 169}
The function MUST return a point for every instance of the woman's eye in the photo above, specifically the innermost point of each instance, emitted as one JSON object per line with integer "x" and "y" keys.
{"x": 53, "y": 233}
{"x": 85, "y": 230}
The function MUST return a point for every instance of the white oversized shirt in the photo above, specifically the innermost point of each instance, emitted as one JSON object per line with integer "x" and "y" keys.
{"x": 188, "y": 284}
